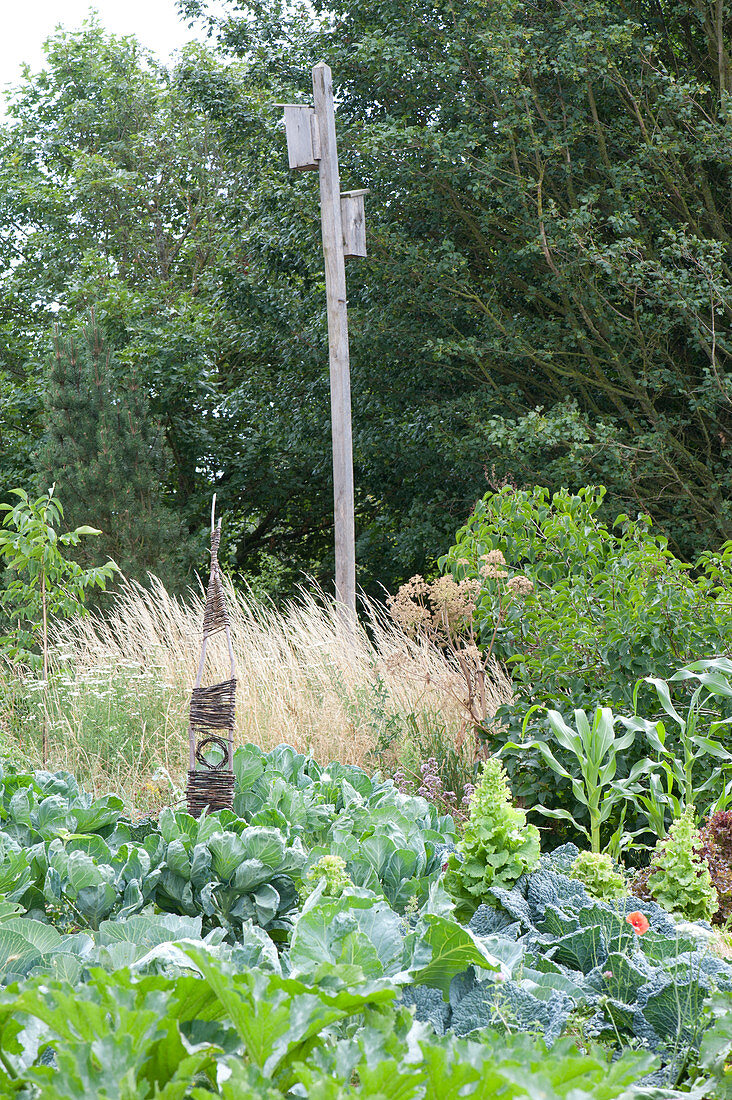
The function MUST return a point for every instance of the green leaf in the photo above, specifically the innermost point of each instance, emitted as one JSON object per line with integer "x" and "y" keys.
{"x": 443, "y": 948}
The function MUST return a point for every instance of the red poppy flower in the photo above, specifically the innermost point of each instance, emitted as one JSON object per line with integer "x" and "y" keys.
{"x": 638, "y": 922}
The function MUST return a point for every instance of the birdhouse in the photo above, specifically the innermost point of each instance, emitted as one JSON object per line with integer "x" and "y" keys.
{"x": 353, "y": 222}
{"x": 303, "y": 137}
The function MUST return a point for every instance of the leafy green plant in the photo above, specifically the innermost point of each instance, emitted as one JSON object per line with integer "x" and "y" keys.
{"x": 47, "y": 583}
{"x": 596, "y": 872}
{"x": 254, "y": 1034}
{"x": 390, "y": 841}
{"x": 497, "y": 846}
{"x": 289, "y": 996}
{"x": 593, "y": 748}
{"x": 694, "y": 763}
{"x": 716, "y": 1049}
{"x": 680, "y": 881}
{"x": 609, "y": 604}
{"x": 331, "y": 871}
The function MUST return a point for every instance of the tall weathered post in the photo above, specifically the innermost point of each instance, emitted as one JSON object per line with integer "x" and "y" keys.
{"x": 311, "y": 143}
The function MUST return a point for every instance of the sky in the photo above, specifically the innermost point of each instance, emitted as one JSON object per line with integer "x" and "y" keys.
{"x": 27, "y": 23}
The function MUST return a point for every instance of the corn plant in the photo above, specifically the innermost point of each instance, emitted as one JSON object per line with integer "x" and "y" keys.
{"x": 679, "y": 783}
{"x": 595, "y": 747}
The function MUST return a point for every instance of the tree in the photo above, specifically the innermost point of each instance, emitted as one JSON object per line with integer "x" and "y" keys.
{"x": 103, "y": 445}
{"x": 46, "y": 583}
{"x": 163, "y": 200}
{"x": 551, "y": 219}
{"x": 109, "y": 185}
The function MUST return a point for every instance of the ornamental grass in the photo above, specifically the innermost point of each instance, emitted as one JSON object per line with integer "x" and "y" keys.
{"x": 118, "y": 697}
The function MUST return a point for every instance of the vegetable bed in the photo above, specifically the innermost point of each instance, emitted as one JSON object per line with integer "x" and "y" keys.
{"x": 304, "y": 945}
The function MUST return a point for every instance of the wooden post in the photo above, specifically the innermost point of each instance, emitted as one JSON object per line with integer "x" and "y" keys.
{"x": 340, "y": 379}
{"x": 311, "y": 143}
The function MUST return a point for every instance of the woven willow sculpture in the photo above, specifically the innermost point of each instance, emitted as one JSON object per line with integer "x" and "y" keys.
{"x": 212, "y": 708}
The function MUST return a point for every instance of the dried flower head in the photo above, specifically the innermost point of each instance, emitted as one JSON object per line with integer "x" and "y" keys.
{"x": 408, "y": 609}
{"x": 492, "y": 565}
{"x": 453, "y": 603}
{"x": 520, "y": 585}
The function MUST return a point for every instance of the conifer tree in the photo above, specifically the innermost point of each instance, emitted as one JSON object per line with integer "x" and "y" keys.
{"x": 109, "y": 456}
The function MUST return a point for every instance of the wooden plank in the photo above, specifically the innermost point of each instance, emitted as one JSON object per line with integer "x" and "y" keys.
{"x": 340, "y": 381}
{"x": 301, "y": 151}
{"x": 353, "y": 222}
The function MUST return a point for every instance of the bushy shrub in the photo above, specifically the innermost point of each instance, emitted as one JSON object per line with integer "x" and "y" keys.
{"x": 605, "y": 604}
{"x": 497, "y": 846}
{"x": 595, "y": 870}
{"x": 679, "y": 879}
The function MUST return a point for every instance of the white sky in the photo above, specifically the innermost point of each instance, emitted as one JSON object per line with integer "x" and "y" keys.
{"x": 27, "y": 23}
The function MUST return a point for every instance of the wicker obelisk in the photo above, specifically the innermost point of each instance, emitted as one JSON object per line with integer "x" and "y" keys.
{"x": 211, "y": 721}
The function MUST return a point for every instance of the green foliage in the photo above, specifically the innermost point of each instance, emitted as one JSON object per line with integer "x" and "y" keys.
{"x": 161, "y": 198}
{"x": 549, "y": 220}
{"x": 548, "y": 275}
{"x": 88, "y": 863}
{"x": 580, "y": 953}
{"x": 596, "y": 872}
{"x": 261, "y": 1035}
{"x": 694, "y": 762}
{"x": 605, "y": 606}
{"x": 101, "y": 442}
{"x": 609, "y": 604}
{"x": 390, "y": 841}
{"x": 716, "y": 1049}
{"x": 331, "y": 870}
{"x": 593, "y": 749}
{"x": 497, "y": 846}
{"x": 207, "y": 1002}
{"x": 42, "y": 581}
{"x": 681, "y": 881}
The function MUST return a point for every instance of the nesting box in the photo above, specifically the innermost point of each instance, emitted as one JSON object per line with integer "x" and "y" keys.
{"x": 303, "y": 137}
{"x": 353, "y": 222}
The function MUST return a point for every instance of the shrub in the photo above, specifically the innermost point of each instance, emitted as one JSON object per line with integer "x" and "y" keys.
{"x": 497, "y": 846}
{"x": 605, "y": 604}
{"x": 595, "y": 870}
{"x": 680, "y": 880}
{"x": 609, "y": 605}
